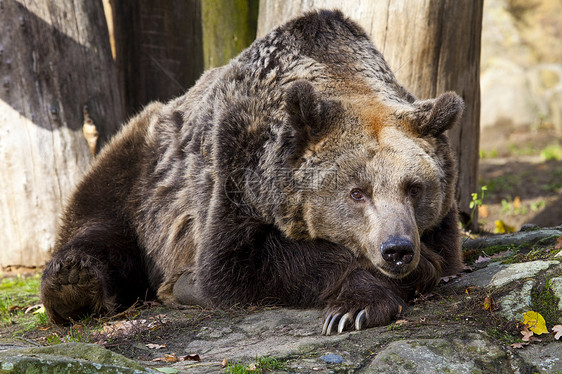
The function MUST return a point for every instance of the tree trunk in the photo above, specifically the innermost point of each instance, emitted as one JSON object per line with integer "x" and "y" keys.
{"x": 229, "y": 26}
{"x": 432, "y": 46}
{"x": 162, "y": 47}
{"x": 158, "y": 48}
{"x": 55, "y": 65}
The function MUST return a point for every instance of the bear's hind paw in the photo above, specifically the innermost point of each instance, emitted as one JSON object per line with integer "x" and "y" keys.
{"x": 72, "y": 287}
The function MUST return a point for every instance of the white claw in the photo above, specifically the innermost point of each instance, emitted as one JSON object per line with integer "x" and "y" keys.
{"x": 360, "y": 319}
{"x": 325, "y": 325}
{"x": 335, "y": 318}
{"x": 344, "y": 321}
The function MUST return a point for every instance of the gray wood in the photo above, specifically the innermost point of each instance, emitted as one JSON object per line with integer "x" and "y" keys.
{"x": 55, "y": 65}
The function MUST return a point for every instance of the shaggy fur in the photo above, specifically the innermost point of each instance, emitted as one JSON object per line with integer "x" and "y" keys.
{"x": 300, "y": 174}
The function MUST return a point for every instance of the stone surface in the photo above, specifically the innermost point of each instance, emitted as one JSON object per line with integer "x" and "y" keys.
{"x": 423, "y": 342}
{"x": 521, "y": 65}
{"x": 470, "y": 354}
{"x": 67, "y": 358}
{"x": 517, "y": 302}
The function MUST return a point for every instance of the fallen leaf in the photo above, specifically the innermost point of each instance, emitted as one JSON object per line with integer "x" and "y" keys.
{"x": 526, "y": 334}
{"x": 401, "y": 322}
{"x": 558, "y": 243}
{"x": 535, "y": 322}
{"x": 558, "y": 330}
{"x": 35, "y": 309}
{"x": 167, "y": 370}
{"x": 155, "y": 346}
{"x": 252, "y": 367}
{"x": 224, "y": 362}
{"x": 167, "y": 358}
{"x": 502, "y": 227}
{"x": 481, "y": 259}
{"x": 517, "y": 202}
{"x": 518, "y": 345}
{"x": 487, "y": 303}
{"x": 502, "y": 254}
{"x": 192, "y": 357}
{"x": 469, "y": 289}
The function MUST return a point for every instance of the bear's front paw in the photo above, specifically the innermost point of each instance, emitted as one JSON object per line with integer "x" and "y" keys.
{"x": 336, "y": 319}
{"x": 362, "y": 301}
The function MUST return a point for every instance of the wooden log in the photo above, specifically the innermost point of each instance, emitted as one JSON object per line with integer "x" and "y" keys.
{"x": 55, "y": 65}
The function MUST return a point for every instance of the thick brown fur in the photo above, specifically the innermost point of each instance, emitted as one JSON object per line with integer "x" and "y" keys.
{"x": 300, "y": 174}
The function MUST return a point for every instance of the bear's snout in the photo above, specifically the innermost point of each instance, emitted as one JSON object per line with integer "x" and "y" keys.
{"x": 398, "y": 251}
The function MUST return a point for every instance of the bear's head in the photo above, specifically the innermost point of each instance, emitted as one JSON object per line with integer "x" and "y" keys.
{"x": 370, "y": 175}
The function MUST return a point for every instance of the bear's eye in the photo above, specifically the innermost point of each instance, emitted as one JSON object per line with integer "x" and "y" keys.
{"x": 357, "y": 194}
{"x": 414, "y": 191}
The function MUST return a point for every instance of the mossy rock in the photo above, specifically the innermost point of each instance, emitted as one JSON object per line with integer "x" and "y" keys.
{"x": 67, "y": 358}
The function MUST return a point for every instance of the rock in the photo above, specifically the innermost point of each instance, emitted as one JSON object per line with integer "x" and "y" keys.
{"x": 546, "y": 236}
{"x": 517, "y": 302}
{"x": 332, "y": 359}
{"x": 506, "y": 96}
{"x": 513, "y": 272}
{"x": 67, "y": 358}
{"x": 471, "y": 354}
{"x": 546, "y": 358}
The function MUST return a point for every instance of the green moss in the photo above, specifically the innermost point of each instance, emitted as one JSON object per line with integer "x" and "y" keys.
{"x": 262, "y": 365}
{"x": 545, "y": 302}
{"x": 228, "y": 28}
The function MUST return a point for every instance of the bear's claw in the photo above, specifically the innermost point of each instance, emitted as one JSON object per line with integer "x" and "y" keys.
{"x": 343, "y": 321}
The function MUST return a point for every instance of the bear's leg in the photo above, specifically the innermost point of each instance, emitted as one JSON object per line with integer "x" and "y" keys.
{"x": 97, "y": 272}
{"x": 265, "y": 266}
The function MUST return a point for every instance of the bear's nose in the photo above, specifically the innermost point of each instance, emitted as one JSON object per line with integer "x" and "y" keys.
{"x": 397, "y": 251}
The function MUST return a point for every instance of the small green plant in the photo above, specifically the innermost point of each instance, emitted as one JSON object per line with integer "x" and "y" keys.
{"x": 476, "y": 202}
{"x": 538, "y": 205}
{"x": 552, "y": 153}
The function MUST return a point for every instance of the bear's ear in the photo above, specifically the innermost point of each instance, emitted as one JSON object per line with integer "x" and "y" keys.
{"x": 435, "y": 116}
{"x": 303, "y": 106}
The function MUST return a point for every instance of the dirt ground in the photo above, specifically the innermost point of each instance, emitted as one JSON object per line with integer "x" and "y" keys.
{"x": 522, "y": 185}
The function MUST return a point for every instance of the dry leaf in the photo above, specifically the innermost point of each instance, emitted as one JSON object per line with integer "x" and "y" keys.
{"x": 558, "y": 330}
{"x": 518, "y": 345}
{"x": 155, "y": 346}
{"x": 502, "y": 227}
{"x": 517, "y": 202}
{"x": 487, "y": 303}
{"x": 252, "y": 367}
{"x": 526, "y": 334}
{"x": 401, "y": 322}
{"x": 481, "y": 259}
{"x": 224, "y": 363}
{"x": 558, "y": 243}
{"x": 469, "y": 289}
{"x": 167, "y": 358}
{"x": 192, "y": 357}
{"x": 535, "y": 322}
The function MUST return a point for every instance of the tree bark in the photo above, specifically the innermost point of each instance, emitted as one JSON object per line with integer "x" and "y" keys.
{"x": 432, "y": 46}
{"x": 229, "y": 26}
{"x": 158, "y": 49}
{"x": 55, "y": 65}
{"x": 162, "y": 47}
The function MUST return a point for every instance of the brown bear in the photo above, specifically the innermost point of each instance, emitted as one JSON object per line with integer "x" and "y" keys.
{"x": 300, "y": 174}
